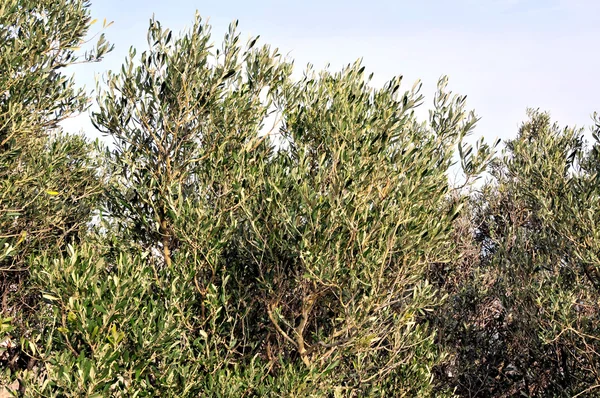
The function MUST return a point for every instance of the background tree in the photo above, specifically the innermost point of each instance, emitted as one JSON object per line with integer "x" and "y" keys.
{"x": 523, "y": 302}
{"x": 49, "y": 181}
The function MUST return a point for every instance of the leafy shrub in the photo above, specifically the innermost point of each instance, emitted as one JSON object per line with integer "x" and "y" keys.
{"x": 49, "y": 181}
{"x": 322, "y": 227}
{"x": 522, "y": 312}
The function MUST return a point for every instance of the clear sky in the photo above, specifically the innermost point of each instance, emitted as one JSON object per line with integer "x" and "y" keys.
{"x": 506, "y": 55}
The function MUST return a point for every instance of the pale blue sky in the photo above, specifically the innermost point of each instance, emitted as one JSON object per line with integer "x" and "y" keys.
{"x": 506, "y": 55}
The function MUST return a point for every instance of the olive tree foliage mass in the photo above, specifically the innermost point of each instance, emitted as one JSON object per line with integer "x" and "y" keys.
{"x": 523, "y": 313}
{"x": 49, "y": 180}
{"x": 250, "y": 233}
{"x": 319, "y": 203}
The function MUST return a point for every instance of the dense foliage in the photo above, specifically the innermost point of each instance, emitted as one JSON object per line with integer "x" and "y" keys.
{"x": 523, "y": 313}
{"x": 247, "y": 233}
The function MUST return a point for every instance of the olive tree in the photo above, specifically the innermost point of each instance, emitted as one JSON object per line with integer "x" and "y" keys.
{"x": 522, "y": 312}
{"x": 262, "y": 235}
{"x": 49, "y": 181}
{"x": 320, "y": 202}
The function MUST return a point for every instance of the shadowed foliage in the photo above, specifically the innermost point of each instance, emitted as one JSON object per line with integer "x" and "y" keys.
{"x": 523, "y": 306}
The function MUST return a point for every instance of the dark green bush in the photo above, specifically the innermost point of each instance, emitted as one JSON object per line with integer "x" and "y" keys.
{"x": 523, "y": 307}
